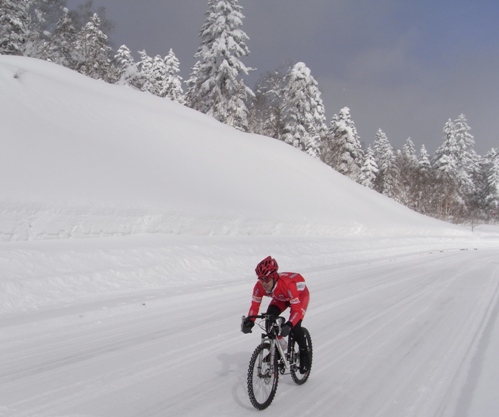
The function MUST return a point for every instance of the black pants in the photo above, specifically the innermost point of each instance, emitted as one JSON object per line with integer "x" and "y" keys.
{"x": 297, "y": 330}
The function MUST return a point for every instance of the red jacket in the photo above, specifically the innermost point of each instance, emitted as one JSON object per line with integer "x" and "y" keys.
{"x": 290, "y": 290}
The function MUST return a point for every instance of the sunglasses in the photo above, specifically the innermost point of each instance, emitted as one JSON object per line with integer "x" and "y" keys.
{"x": 265, "y": 279}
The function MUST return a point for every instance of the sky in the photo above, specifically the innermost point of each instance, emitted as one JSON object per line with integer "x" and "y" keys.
{"x": 127, "y": 260}
{"x": 405, "y": 67}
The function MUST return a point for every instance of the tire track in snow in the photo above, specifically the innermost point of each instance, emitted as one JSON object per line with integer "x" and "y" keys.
{"x": 388, "y": 339}
{"x": 160, "y": 332}
{"x": 395, "y": 333}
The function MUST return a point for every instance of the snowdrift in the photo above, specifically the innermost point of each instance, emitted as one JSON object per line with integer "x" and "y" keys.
{"x": 82, "y": 158}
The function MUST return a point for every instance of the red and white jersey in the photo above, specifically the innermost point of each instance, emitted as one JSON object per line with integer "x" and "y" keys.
{"x": 290, "y": 290}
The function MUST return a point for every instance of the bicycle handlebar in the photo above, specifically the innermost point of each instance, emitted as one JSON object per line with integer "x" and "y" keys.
{"x": 274, "y": 321}
{"x": 266, "y": 316}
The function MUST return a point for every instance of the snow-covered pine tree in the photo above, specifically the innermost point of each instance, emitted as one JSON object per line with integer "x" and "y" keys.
{"x": 192, "y": 83}
{"x": 407, "y": 164}
{"x": 158, "y": 72}
{"x": 303, "y": 111}
{"x": 409, "y": 151}
{"x": 446, "y": 164}
{"x": 491, "y": 197}
{"x": 43, "y": 18}
{"x": 423, "y": 185}
{"x": 369, "y": 169}
{"x": 424, "y": 159}
{"x": 486, "y": 184}
{"x": 467, "y": 160}
{"x": 266, "y": 106}
{"x": 14, "y": 26}
{"x": 62, "y": 41}
{"x": 330, "y": 152}
{"x": 445, "y": 159}
{"x": 387, "y": 179}
{"x": 145, "y": 78}
{"x": 93, "y": 50}
{"x": 125, "y": 66}
{"x": 342, "y": 148}
{"x": 173, "y": 83}
{"x": 215, "y": 86}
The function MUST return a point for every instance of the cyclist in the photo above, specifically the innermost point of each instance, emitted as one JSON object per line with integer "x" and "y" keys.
{"x": 287, "y": 289}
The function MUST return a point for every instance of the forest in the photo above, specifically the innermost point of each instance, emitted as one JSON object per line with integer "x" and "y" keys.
{"x": 454, "y": 184}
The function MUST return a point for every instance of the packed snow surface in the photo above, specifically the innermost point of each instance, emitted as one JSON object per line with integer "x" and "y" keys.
{"x": 130, "y": 227}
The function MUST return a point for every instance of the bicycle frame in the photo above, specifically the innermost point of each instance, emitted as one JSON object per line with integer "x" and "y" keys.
{"x": 271, "y": 338}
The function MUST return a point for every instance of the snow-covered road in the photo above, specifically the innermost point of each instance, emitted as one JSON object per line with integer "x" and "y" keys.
{"x": 407, "y": 336}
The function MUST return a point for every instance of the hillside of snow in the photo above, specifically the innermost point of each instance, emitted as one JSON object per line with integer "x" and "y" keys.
{"x": 82, "y": 158}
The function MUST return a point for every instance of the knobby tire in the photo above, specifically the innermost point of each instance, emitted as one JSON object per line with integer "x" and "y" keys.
{"x": 262, "y": 378}
{"x": 296, "y": 375}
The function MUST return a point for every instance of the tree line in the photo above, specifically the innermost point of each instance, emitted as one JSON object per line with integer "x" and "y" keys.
{"x": 454, "y": 184}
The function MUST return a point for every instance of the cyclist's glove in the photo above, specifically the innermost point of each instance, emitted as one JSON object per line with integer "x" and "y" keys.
{"x": 286, "y": 329}
{"x": 247, "y": 325}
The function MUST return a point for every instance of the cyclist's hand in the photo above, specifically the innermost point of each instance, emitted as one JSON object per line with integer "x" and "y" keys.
{"x": 247, "y": 325}
{"x": 286, "y": 329}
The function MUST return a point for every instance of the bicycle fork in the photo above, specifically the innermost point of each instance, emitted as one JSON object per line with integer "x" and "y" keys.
{"x": 275, "y": 347}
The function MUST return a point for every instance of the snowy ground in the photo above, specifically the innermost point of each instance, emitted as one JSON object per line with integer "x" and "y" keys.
{"x": 397, "y": 332}
{"x": 129, "y": 231}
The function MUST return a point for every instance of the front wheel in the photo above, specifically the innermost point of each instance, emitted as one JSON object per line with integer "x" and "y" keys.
{"x": 298, "y": 377}
{"x": 263, "y": 377}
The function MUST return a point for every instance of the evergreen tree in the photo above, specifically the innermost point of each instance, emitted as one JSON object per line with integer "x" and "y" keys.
{"x": 125, "y": 66}
{"x": 466, "y": 144}
{"x": 62, "y": 42}
{"x": 14, "y": 26}
{"x": 266, "y": 106}
{"x": 145, "y": 79}
{"x": 407, "y": 165}
{"x": 491, "y": 190}
{"x": 423, "y": 184}
{"x": 216, "y": 87}
{"x": 93, "y": 50}
{"x": 424, "y": 160}
{"x": 387, "y": 180}
{"x": 43, "y": 18}
{"x": 192, "y": 83}
{"x": 458, "y": 172}
{"x": 409, "y": 151}
{"x": 158, "y": 73}
{"x": 369, "y": 169}
{"x": 468, "y": 163}
{"x": 173, "y": 82}
{"x": 303, "y": 111}
{"x": 445, "y": 159}
{"x": 445, "y": 163}
{"x": 342, "y": 148}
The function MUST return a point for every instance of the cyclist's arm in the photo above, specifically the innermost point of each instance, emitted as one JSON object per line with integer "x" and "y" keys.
{"x": 256, "y": 300}
{"x": 296, "y": 313}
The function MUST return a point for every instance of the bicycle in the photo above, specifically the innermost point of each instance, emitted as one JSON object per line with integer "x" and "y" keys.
{"x": 269, "y": 360}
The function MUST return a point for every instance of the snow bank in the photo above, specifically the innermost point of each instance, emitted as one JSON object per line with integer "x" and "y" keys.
{"x": 82, "y": 158}
{"x": 59, "y": 273}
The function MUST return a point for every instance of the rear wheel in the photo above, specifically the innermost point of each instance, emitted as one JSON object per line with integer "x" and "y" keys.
{"x": 298, "y": 377}
{"x": 262, "y": 377}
